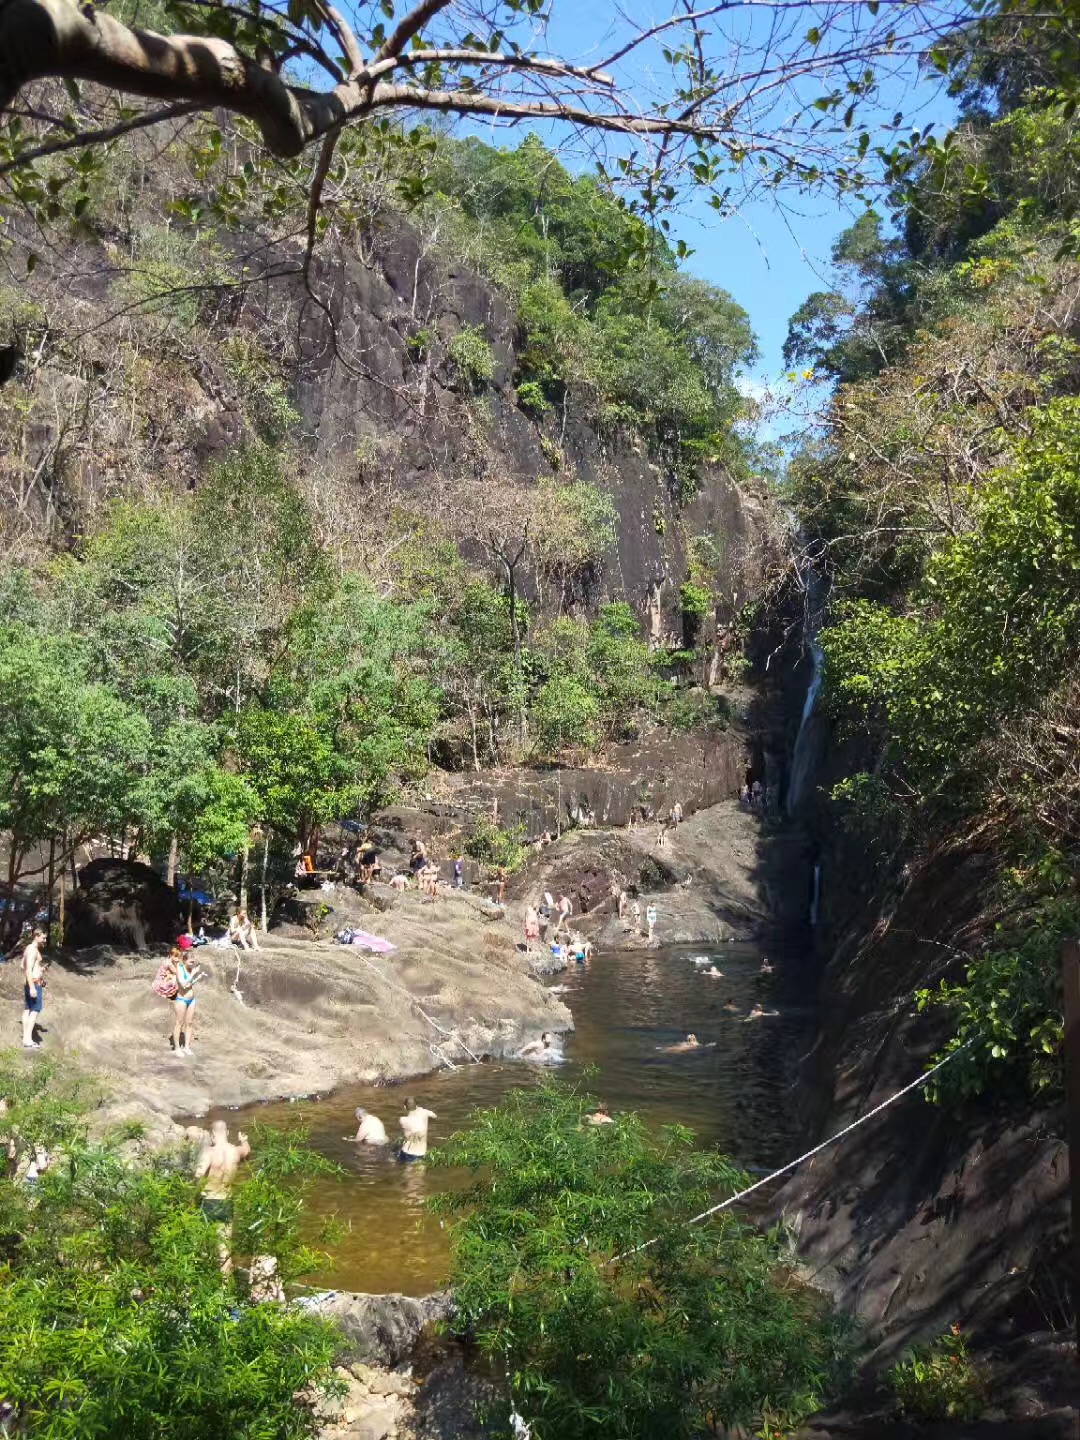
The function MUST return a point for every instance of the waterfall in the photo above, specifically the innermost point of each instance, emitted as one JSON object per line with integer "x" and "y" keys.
{"x": 815, "y": 897}
{"x": 802, "y": 755}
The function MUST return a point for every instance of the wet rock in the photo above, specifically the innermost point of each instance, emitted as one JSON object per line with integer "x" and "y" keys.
{"x": 379, "y": 1330}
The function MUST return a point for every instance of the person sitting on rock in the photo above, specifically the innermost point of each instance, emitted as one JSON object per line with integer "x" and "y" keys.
{"x": 371, "y": 1130}
{"x": 400, "y": 883}
{"x": 242, "y": 932}
{"x": 414, "y": 1128}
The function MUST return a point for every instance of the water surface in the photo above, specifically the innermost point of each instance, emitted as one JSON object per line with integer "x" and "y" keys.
{"x": 737, "y": 1095}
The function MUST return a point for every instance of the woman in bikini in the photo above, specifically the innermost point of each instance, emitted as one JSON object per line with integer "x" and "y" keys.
{"x": 183, "y": 1003}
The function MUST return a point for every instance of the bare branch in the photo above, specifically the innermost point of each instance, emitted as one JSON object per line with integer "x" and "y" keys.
{"x": 81, "y": 138}
{"x": 411, "y": 25}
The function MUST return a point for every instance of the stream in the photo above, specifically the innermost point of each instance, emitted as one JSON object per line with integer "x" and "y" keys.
{"x": 738, "y": 1094}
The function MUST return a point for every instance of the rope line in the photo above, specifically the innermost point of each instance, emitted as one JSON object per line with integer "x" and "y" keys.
{"x": 809, "y": 1155}
{"x": 449, "y": 1034}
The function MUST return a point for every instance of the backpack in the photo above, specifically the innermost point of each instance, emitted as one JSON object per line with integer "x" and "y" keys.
{"x": 164, "y": 982}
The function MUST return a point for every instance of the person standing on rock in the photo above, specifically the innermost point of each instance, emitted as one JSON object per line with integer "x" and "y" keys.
{"x": 371, "y": 1130}
{"x": 532, "y": 929}
{"x": 566, "y": 909}
{"x": 459, "y": 872}
{"x": 676, "y": 813}
{"x": 543, "y": 917}
{"x": 183, "y": 1003}
{"x": 33, "y": 962}
{"x": 650, "y": 921}
{"x": 414, "y": 1128}
{"x": 635, "y": 913}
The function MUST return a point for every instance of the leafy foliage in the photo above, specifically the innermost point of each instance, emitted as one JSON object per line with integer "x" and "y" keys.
{"x": 702, "y": 1325}
{"x": 115, "y": 1316}
{"x": 938, "y": 1381}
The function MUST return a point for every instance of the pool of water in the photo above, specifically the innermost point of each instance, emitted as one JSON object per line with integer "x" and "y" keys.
{"x": 737, "y": 1094}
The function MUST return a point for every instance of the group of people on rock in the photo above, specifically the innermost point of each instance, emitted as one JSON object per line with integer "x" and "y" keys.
{"x": 548, "y": 923}
{"x": 629, "y": 908}
{"x": 757, "y": 797}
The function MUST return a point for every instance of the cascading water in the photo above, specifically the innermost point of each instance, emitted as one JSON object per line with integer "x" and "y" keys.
{"x": 815, "y": 897}
{"x": 802, "y": 758}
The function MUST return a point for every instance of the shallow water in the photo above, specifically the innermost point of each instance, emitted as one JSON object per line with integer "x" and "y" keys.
{"x": 738, "y": 1094}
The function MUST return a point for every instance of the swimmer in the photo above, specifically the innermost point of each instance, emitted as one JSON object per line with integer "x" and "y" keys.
{"x": 680, "y": 1047}
{"x": 600, "y": 1116}
{"x": 729, "y": 1005}
{"x": 539, "y": 1049}
{"x": 700, "y": 960}
{"x": 713, "y": 973}
{"x": 371, "y": 1130}
{"x": 757, "y": 1013}
{"x": 766, "y": 968}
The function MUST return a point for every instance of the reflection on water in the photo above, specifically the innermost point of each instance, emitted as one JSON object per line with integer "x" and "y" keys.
{"x": 736, "y": 1094}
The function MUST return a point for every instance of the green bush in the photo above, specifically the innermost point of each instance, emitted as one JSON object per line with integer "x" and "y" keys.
{"x": 531, "y": 398}
{"x": 938, "y": 1381}
{"x": 115, "y": 1317}
{"x": 491, "y": 844}
{"x": 705, "y": 1328}
{"x": 470, "y": 354}
{"x": 566, "y": 715}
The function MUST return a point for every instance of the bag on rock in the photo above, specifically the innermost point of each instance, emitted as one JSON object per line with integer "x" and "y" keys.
{"x": 164, "y": 982}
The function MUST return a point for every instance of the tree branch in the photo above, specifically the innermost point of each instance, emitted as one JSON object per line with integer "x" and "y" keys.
{"x": 82, "y": 138}
{"x": 411, "y": 24}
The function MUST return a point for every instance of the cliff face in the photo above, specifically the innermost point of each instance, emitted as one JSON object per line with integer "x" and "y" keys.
{"x": 118, "y": 394}
{"x": 928, "y": 1215}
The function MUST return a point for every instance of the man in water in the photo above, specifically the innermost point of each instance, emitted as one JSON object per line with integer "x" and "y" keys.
{"x": 600, "y": 1116}
{"x": 33, "y": 962}
{"x": 371, "y": 1130}
{"x": 217, "y": 1165}
{"x": 538, "y": 1049}
{"x": 713, "y": 973}
{"x": 690, "y": 1043}
{"x": 414, "y": 1129}
{"x": 729, "y": 1005}
{"x": 757, "y": 1013}
{"x": 766, "y": 968}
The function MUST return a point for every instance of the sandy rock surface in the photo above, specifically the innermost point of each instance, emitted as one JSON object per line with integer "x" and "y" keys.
{"x": 302, "y": 1016}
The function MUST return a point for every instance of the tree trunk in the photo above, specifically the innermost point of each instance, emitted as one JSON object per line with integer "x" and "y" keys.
{"x": 244, "y": 857}
{"x": 174, "y": 852}
{"x": 262, "y": 881}
{"x": 52, "y": 878}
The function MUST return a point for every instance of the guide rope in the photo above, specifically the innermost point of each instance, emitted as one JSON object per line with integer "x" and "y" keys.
{"x": 447, "y": 1034}
{"x": 807, "y": 1155}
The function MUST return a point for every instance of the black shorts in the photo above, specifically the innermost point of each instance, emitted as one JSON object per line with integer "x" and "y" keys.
{"x": 218, "y": 1212}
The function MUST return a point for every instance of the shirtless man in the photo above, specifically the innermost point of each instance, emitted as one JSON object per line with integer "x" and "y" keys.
{"x": 217, "y": 1165}
{"x": 729, "y": 1005}
{"x": 538, "y": 1049}
{"x": 414, "y": 1128}
{"x": 713, "y": 973}
{"x": 33, "y": 988}
{"x": 600, "y": 1116}
{"x": 757, "y": 1013}
{"x": 690, "y": 1043}
{"x": 371, "y": 1130}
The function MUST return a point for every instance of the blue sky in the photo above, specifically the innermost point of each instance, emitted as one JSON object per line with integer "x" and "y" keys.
{"x": 775, "y": 250}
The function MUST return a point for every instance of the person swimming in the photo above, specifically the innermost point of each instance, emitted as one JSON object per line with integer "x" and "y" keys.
{"x": 601, "y": 1115}
{"x": 729, "y": 1005}
{"x": 766, "y": 968}
{"x": 542, "y": 1049}
{"x": 713, "y": 973}
{"x": 757, "y": 1013}
{"x": 682, "y": 1046}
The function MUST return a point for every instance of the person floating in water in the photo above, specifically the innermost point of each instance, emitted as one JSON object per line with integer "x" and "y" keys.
{"x": 729, "y": 1005}
{"x": 713, "y": 973}
{"x": 757, "y": 1013}
{"x": 681, "y": 1046}
{"x": 371, "y": 1130}
{"x": 766, "y": 968}
{"x": 600, "y": 1116}
{"x": 414, "y": 1128}
{"x": 541, "y": 1049}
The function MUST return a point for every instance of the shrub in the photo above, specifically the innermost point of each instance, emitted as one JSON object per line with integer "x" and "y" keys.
{"x": 938, "y": 1381}
{"x": 115, "y": 1316}
{"x": 566, "y": 714}
{"x": 470, "y": 354}
{"x": 419, "y": 344}
{"x": 531, "y": 398}
{"x": 703, "y": 1329}
{"x": 491, "y": 844}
